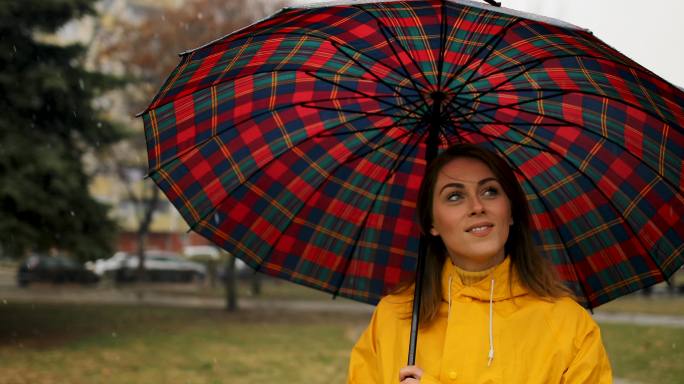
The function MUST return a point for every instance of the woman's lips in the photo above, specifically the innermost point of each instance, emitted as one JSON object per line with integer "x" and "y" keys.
{"x": 480, "y": 230}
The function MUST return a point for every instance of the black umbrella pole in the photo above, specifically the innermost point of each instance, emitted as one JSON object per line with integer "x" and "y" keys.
{"x": 415, "y": 317}
{"x": 431, "y": 147}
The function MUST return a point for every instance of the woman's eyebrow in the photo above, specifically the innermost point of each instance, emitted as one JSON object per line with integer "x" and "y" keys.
{"x": 461, "y": 186}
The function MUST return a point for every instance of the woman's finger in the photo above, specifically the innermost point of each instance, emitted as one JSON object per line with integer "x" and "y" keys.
{"x": 410, "y": 372}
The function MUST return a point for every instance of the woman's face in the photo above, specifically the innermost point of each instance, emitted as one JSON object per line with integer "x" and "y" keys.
{"x": 471, "y": 213}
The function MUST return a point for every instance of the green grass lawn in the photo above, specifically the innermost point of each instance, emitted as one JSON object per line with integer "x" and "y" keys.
{"x": 66, "y": 343}
{"x": 645, "y": 354}
{"x": 42, "y": 343}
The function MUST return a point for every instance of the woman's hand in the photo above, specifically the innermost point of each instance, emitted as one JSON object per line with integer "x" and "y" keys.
{"x": 410, "y": 375}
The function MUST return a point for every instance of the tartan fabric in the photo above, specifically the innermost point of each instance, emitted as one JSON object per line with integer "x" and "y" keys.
{"x": 298, "y": 143}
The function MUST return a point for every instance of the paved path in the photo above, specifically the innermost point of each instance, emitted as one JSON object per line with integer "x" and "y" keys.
{"x": 640, "y": 319}
{"x": 113, "y": 296}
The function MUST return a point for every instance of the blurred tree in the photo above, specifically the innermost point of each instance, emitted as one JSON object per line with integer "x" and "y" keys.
{"x": 142, "y": 44}
{"x": 48, "y": 122}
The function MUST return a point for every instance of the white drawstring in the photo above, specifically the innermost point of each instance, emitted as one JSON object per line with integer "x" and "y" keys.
{"x": 491, "y": 338}
{"x": 491, "y": 306}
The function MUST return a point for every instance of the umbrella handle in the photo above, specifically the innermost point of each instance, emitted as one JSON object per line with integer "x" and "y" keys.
{"x": 420, "y": 267}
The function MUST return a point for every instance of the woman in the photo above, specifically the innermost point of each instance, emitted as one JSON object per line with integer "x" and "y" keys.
{"x": 492, "y": 309}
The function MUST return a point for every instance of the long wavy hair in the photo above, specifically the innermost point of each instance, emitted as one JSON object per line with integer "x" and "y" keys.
{"x": 536, "y": 273}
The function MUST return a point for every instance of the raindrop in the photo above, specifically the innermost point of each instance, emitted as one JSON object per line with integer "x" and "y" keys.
{"x": 4, "y": 301}
{"x": 72, "y": 213}
{"x": 674, "y": 345}
{"x": 99, "y": 124}
{"x": 217, "y": 219}
{"x": 81, "y": 84}
{"x": 114, "y": 334}
{"x": 200, "y": 15}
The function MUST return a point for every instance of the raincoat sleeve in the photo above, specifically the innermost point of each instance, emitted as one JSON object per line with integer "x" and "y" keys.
{"x": 590, "y": 364}
{"x": 366, "y": 365}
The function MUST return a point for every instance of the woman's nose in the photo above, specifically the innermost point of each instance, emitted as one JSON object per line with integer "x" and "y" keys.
{"x": 476, "y": 206}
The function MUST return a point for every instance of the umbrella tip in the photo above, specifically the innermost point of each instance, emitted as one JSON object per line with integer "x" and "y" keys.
{"x": 493, "y": 3}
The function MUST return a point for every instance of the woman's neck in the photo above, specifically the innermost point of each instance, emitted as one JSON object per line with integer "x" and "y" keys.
{"x": 475, "y": 266}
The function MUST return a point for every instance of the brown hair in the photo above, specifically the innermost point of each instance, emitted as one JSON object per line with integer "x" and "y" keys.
{"x": 535, "y": 273}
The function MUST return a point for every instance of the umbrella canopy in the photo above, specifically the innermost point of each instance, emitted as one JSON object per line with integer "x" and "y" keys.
{"x": 298, "y": 143}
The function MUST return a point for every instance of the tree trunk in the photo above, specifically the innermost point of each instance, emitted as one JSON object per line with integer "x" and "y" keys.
{"x": 211, "y": 272}
{"x": 256, "y": 284}
{"x": 144, "y": 229}
{"x": 231, "y": 286}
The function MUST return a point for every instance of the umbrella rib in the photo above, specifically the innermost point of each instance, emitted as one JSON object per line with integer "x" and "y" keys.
{"x": 219, "y": 132}
{"x": 306, "y": 71}
{"x": 247, "y": 119}
{"x": 496, "y": 107}
{"x": 381, "y": 100}
{"x": 353, "y": 111}
{"x": 397, "y": 162}
{"x": 563, "y": 158}
{"x": 339, "y": 44}
{"x": 562, "y": 91}
{"x": 568, "y": 123}
{"x": 493, "y": 41}
{"x": 442, "y": 43}
{"x": 416, "y": 85}
{"x": 414, "y": 111}
{"x": 384, "y": 81}
{"x": 351, "y": 158}
{"x": 535, "y": 63}
{"x": 406, "y": 75}
{"x": 480, "y": 94}
{"x": 308, "y": 138}
{"x": 384, "y": 29}
{"x": 525, "y": 66}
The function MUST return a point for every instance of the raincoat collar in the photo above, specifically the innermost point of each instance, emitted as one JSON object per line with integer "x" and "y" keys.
{"x": 501, "y": 274}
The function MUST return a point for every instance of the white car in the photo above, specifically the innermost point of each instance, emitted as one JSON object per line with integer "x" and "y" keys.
{"x": 159, "y": 266}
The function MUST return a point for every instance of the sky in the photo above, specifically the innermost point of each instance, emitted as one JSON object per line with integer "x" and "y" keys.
{"x": 649, "y": 32}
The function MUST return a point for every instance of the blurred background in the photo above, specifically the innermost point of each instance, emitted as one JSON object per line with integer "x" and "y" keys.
{"x": 100, "y": 279}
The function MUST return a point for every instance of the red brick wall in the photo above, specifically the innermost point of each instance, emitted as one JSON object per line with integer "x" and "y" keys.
{"x": 169, "y": 241}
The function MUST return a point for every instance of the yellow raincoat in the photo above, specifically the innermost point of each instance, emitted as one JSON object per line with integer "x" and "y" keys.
{"x": 528, "y": 339}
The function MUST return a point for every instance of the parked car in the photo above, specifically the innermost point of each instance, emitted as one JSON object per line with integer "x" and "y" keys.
{"x": 159, "y": 266}
{"x": 53, "y": 269}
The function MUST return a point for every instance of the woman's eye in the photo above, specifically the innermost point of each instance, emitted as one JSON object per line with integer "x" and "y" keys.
{"x": 453, "y": 196}
{"x": 491, "y": 191}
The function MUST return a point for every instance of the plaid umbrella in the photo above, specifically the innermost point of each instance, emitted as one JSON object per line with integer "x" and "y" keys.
{"x": 298, "y": 143}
